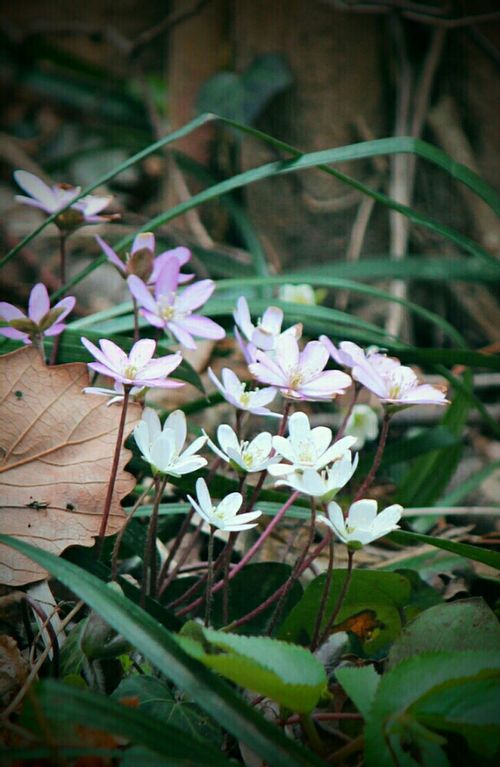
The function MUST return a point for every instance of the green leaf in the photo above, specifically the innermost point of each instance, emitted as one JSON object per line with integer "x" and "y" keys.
{"x": 288, "y": 674}
{"x": 242, "y": 97}
{"x": 414, "y": 267}
{"x": 393, "y": 730}
{"x": 466, "y": 487}
{"x": 470, "y": 708}
{"x": 160, "y": 647}
{"x": 468, "y": 624}
{"x": 158, "y": 701}
{"x": 491, "y": 558}
{"x": 300, "y": 162}
{"x": 383, "y": 594}
{"x": 360, "y": 684}
{"x": 64, "y": 704}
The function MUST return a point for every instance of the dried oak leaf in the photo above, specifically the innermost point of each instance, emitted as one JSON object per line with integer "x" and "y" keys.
{"x": 56, "y": 451}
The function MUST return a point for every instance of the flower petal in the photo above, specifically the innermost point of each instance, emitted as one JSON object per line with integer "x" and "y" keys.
{"x": 195, "y": 295}
{"x": 142, "y": 352}
{"x": 111, "y": 255}
{"x": 39, "y": 303}
{"x": 362, "y": 513}
{"x": 176, "y": 421}
{"x": 144, "y": 240}
{"x": 141, "y": 294}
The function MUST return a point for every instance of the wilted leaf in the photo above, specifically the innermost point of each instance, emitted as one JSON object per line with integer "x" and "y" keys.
{"x": 56, "y": 450}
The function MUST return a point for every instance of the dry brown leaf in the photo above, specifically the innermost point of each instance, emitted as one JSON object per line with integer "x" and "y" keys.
{"x": 56, "y": 450}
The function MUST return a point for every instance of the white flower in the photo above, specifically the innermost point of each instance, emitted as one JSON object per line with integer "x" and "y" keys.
{"x": 162, "y": 448}
{"x": 362, "y": 424}
{"x": 299, "y": 374}
{"x": 362, "y": 525}
{"x": 234, "y": 392}
{"x": 323, "y": 484}
{"x": 243, "y": 456}
{"x": 265, "y": 333}
{"x": 225, "y": 514}
{"x": 298, "y": 294}
{"x": 307, "y": 448}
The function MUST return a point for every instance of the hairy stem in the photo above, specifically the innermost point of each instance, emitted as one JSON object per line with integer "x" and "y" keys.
{"x": 210, "y": 577}
{"x": 295, "y": 572}
{"x": 114, "y": 470}
{"x": 340, "y": 600}
{"x": 119, "y": 537}
{"x": 324, "y": 597}
{"x": 149, "y": 565}
{"x": 136, "y": 319}
{"x": 378, "y": 457}
{"x": 342, "y": 427}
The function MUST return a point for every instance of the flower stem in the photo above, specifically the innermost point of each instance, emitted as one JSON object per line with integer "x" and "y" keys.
{"x": 182, "y": 558}
{"x": 149, "y": 565}
{"x": 324, "y": 596}
{"x": 62, "y": 258}
{"x": 119, "y": 537}
{"x": 294, "y": 574}
{"x": 250, "y": 553}
{"x": 136, "y": 319}
{"x": 284, "y": 420}
{"x": 378, "y": 457}
{"x": 162, "y": 578}
{"x": 342, "y": 427}
{"x": 340, "y": 601}
{"x": 210, "y": 577}
{"x": 114, "y": 471}
{"x": 311, "y": 733}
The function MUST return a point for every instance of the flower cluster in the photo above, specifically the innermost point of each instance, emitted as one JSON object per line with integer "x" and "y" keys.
{"x": 310, "y": 460}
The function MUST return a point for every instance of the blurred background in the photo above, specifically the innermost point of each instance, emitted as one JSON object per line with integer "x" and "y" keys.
{"x": 87, "y": 85}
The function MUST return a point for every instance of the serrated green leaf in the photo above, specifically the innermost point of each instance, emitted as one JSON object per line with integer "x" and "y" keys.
{"x": 287, "y": 673}
{"x": 360, "y": 684}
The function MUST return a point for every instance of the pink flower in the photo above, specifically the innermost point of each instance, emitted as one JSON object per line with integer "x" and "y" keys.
{"x": 173, "y": 311}
{"x": 396, "y": 384}
{"x": 141, "y": 261}
{"x": 299, "y": 375}
{"x": 52, "y": 198}
{"x": 138, "y": 368}
{"x": 349, "y": 354}
{"x": 41, "y": 319}
{"x": 234, "y": 392}
{"x": 264, "y": 334}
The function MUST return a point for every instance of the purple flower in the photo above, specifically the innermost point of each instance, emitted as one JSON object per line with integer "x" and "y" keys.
{"x": 396, "y": 384}
{"x": 173, "y": 311}
{"x": 299, "y": 375}
{"x": 349, "y": 354}
{"x": 52, "y": 198}
{"x": 141, "y": 260}
{"x": 40, "y": 321}
{"x": 136, "y": 369}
